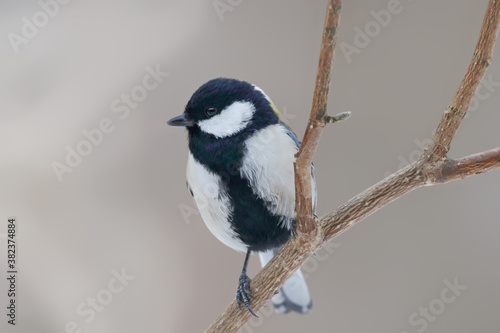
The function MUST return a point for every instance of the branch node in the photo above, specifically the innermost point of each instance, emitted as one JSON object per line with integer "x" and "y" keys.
{"x": 456, "y": 111}
{"x": 311, "y": 239}
{"x": 482, "y": 61}
{"x": 339, "y": 117}
{"x": 435, "y": 151}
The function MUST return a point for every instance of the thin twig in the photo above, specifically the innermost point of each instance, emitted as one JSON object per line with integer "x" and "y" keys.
{"x": 460, "y": 103}
{"x": 305, "y": 224}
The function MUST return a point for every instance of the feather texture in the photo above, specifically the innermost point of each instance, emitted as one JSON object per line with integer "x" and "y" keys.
{"x": 213, "y": 203}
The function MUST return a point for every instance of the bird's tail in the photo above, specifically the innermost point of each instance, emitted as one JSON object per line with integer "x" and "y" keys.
{"x": 294, "y": 294}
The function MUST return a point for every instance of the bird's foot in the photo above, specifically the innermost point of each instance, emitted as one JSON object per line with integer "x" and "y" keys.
{"x": 243, "y": 295}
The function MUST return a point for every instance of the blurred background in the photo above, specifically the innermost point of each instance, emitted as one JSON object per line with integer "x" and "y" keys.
{"x": 109, "y": 239}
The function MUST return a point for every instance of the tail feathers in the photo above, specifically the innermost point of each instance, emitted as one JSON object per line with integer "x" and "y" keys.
{"x": 294, "y": 294}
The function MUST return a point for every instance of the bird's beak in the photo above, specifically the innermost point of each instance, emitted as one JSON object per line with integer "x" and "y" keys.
{"x": 180, "y": 121}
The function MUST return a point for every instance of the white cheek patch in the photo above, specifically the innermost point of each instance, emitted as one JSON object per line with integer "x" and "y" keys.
{"x": 230, "y": 121}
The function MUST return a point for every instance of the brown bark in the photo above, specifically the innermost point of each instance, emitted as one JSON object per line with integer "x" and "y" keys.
{"x": 433, "y": 167}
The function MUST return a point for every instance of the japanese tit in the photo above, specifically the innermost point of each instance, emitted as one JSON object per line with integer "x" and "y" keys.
{"x": 240, "y": 173}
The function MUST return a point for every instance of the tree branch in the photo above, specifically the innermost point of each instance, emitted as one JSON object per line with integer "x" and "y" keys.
{"x": 468, "y": 166}
{"x": 481, "y": 59}
{"x": 433, "y": 167}
{"x": 306, "y": 225}
{"x": 426, "y": 170}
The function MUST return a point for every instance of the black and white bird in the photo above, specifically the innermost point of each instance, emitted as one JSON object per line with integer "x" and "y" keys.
{"x": 240, "y": 173}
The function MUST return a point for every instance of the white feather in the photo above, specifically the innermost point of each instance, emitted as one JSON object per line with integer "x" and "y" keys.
{"x": 231, "y": 120}
{"x": 213, "y": 203}
{"x": 263, "y": 93}
{"x": 268, "y": 165}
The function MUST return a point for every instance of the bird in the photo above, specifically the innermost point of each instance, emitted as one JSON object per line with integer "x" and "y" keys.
{"x": 241, "y": 175}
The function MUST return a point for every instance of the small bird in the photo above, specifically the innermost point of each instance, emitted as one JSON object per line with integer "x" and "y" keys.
{"x": 240, "y": 173}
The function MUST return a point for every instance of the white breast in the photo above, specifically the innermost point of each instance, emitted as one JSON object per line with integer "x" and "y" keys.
{"x": 213, "y": 203}
{"x": 268, "y": 165}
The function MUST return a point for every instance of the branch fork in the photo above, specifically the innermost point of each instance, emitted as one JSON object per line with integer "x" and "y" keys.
{"x": 433, "y": 167}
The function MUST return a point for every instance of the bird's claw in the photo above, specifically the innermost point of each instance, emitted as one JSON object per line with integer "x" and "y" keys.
{"x": 243, "y": 295}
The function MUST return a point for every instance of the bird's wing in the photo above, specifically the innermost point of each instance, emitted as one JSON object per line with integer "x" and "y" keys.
{"x": 291, "y": 134}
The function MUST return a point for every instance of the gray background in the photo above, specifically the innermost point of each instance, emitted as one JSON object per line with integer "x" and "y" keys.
{"x": 121, "y": 207}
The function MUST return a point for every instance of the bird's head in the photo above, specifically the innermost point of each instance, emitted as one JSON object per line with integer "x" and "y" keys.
{"x": 224, "y": 108}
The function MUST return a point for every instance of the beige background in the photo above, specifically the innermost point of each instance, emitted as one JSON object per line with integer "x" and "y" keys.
{"x": 121, "y": 207}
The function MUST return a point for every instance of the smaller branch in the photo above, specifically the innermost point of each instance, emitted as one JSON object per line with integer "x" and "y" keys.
{"x": 471, "y": 165}
{"x": 455, "y": 112}
{"x": 421, "y": 173}
{"x": 305, "y": 223}
{"x": 339, "y": 117}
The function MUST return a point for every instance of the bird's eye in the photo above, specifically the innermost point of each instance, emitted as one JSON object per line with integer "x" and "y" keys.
{"x": 211, "y": 111}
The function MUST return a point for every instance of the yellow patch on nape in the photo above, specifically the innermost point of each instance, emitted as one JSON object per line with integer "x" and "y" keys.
{"x": 275, "y": 109}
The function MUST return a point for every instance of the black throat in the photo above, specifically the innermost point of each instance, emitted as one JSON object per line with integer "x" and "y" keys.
{"x": 222, "y": 156}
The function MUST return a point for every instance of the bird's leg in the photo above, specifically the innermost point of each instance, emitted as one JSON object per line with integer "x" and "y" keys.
{"x": 243, "y": 294}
